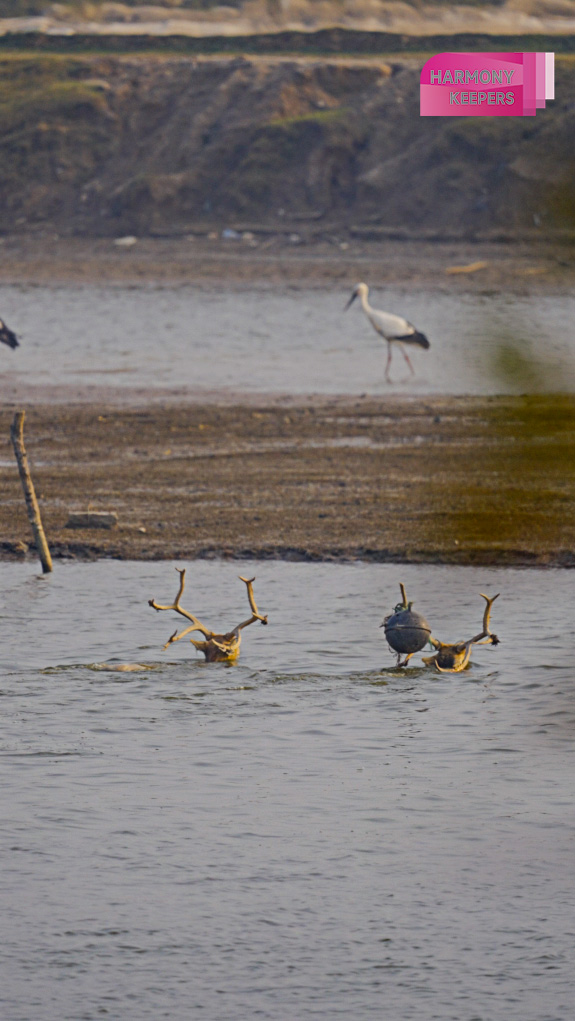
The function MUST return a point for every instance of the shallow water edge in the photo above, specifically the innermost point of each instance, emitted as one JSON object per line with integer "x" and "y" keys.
{"x": 310, "y": 834}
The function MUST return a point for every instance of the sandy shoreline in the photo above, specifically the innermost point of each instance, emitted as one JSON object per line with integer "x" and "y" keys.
{"x": 446, "y": 480}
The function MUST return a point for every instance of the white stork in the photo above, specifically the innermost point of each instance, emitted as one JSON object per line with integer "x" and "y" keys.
{"x": 394, "y": 329}
{"x": 6, "y": 335}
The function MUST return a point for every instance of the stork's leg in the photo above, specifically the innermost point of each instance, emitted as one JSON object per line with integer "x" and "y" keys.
{"x": 406, "y": 356}
{"x": 388, "y": 363}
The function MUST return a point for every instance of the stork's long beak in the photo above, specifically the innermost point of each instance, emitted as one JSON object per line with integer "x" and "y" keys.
{"x": 353, "y": 297}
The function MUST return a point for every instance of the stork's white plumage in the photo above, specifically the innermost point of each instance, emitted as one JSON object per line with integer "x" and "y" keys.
{"x": 394, "y": 329}
{"x": 6, "y": 335}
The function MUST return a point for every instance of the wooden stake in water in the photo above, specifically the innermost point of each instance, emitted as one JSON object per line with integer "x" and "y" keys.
{"x": 17, "y": 437}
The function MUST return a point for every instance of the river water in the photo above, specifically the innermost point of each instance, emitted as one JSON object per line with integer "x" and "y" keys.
{"x": 196, "y": 340}
{"x": 308, "y": 834}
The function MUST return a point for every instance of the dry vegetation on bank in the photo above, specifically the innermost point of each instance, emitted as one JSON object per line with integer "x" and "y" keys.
{"x": 244, "y": 17}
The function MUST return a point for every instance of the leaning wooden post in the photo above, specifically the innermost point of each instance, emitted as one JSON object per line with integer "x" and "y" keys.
{"x": 17, "y": 437}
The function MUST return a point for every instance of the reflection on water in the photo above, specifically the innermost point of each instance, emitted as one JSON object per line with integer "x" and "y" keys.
{"x": 265, "y": 341}
{"x": 307, "y": 834}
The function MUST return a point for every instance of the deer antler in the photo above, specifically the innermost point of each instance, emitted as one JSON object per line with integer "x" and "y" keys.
{"x": 256, "y": 615}
{"x": 255, "y": 612}
{"x": 196, "y": 624}
{"x": 486, "y": 633}
{"x": 216, "y": 647}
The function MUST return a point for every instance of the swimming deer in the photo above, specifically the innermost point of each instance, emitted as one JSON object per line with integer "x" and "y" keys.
{"x": 217, "y": 648}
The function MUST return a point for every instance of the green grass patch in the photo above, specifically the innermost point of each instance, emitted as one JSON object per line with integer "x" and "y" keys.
{"x": 34, "y": 89}
{"x": 60, "y": 99}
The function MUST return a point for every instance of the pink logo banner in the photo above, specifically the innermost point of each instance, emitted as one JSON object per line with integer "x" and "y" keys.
{"x": 486, "y": 84}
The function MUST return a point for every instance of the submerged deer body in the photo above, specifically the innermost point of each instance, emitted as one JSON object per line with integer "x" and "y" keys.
{"x": 217, "y": 648}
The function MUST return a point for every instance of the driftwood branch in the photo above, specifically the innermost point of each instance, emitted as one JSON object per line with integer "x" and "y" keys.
{"x": 17, "y": 437}
{"x": 216, "y": 647}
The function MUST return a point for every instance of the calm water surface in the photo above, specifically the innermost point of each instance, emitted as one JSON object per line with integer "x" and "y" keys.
{"x": 309, "y": 834}
{"x": 274, "y": 341}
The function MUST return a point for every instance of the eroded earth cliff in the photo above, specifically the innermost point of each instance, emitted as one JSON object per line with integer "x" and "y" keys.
{"x": 111, "y": 145}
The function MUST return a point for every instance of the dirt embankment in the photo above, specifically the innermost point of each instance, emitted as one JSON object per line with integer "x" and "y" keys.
{"x": 468, "y": 480}
{"x": 164, "y": 145}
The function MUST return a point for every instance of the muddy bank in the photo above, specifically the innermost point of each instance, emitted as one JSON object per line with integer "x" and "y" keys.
{"x": 485, "y": 481}
{"x": 266, "y": 259}
{"x": 97, "y": 145}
